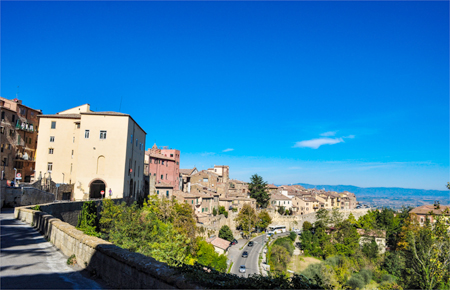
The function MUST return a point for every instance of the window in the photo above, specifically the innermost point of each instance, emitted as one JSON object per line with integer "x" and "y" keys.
{"x": 192, "y": 201}
{"x": 52, "y": 138}
{"x": 2, "y": 130}
{"x": 53, "y": 125}
{"x": 23, "y": 111}
{"x": 11, "y": 132}
{"x": 103, "y": 134}
{"x": 171, "y": 155}
{"x": 166, "y": 177}
{"x": 50, "y": 166}
{"x": 131, "y": 139}
{"x": 3, "y": 116}
{"x": 71, "y": 168}
{"x": 157, "y": 192}
{"x": 13, "y": 118}
{"x": 2, "y": 147}
{"x": 162, "y": 176}
{"x": 136, "y": 142}
{"x": 73, "y": 140}
{"x": 72, "y": 154}
{"x": 177, "y": 163}
{"x": 167, "y": 193}
{"x": 154, "y": 174}
{"x": 162, "y": 162}
{"x": 5, "y": 161}
{"x": 32, "y": 114}
{"x": 167, "y": 164}
{"x": 50, "y": 150}
{"x": 78, "y": 125}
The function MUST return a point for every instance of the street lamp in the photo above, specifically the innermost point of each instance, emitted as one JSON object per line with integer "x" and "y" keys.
{"x": 63, "y": 177}
{"x": 15, "y": 175}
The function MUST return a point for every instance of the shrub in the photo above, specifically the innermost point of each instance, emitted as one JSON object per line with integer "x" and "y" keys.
{"x": 214, "y": 212}
{"x": 387, "y": 278}
{"x": 356, "y": 282}
{"x": 366, "y": 274}
{"x": 293, "y": 236}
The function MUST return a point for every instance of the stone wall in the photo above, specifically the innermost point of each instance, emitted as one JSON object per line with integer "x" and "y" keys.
{"x": 214, "y": 223}
{"x": 20, "y": 196}
{"x": 118, "y": 267}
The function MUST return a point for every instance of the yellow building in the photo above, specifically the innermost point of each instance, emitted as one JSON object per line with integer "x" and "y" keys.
{"x": 95, "y": 151}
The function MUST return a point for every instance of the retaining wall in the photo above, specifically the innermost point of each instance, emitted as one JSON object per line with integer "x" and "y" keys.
{"x": 21, "y": 196}
{"x": 118, "y": 267}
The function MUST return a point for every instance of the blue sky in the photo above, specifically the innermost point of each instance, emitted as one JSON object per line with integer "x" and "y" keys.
{"x": 315, "y": 92}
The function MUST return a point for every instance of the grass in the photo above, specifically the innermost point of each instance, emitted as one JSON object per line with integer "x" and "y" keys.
{"x": 229, "y": 268}
{"x": 300, "y": 263}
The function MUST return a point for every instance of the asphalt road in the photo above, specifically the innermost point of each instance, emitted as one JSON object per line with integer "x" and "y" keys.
{"x": 28, "y": 261}
{"x": 250, "y": 263}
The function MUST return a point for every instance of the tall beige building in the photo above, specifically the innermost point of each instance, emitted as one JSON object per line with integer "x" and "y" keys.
{"x": 95, "y": 151}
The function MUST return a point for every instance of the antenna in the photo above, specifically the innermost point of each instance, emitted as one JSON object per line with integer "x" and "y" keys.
{"x": 17, "y": 94}
{"x": 120, "y": 106}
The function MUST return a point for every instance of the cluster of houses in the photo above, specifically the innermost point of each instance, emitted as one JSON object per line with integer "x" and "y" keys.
{"x": 102, "y": 154}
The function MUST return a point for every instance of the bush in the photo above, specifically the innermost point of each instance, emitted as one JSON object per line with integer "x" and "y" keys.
{"x": 387, "y": 278}
{"x": 214, "y": 212}
{"x": 356, "y": 282}
{"x": 293, "y": 236}
{"x": 307, "y": 226}
{"x": 367, "y": 275}
{"x": 36, "y": 207}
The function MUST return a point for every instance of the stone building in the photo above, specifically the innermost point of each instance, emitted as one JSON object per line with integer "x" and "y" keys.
{"x": 164, "y": 164}
{"x": 423, "y": 212}
{"x": 279, "y": 200}
{"x": 185, "y": 178}
{"x": 18, "y": 135}
{"x": 98, "y": 152}
{"x": 223, "y": 171}
{"x": 237, "y": 187}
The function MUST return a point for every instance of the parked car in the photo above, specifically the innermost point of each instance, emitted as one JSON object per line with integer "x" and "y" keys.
{"x": 250, "y": 244}
{"x": 234, "y": 242}
{"x": 242, "y": 269}
{"x": 245, "y": 254}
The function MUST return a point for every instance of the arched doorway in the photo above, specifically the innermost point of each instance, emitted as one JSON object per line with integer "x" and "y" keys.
{"x": 95, "y": 188}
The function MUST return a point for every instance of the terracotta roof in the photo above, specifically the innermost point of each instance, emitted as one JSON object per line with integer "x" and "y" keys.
{"x": 272, "y": 186}
{"x": 187, "y": 171}
{"x": 279, "y": 197}
{"x": 219, "y": 243}
{"x": 160, "y": 156}
{"x": 186, "y": 194}
{"x": 163, "y": 184}
{"x": 372, "y": 233}
{"x": 237, "y": 181}
{"x": 425, "y": 209}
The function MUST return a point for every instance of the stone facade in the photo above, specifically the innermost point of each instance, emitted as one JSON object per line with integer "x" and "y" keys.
{"x": 164, "y": 164}
{"x": 18, "y": 135}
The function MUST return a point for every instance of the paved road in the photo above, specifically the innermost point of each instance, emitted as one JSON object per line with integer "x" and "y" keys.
{"x": 28, "y": 261}
{"x": 250, "y": 263}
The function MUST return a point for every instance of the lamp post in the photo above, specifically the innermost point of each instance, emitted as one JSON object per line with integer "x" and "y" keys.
{"x": 15, "y": 175}
{"x": 63, "y": 177}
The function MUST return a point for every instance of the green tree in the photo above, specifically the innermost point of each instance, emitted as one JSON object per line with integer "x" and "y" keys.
{"x": 264, "y": 220}
{"x": 246, "y": 219}
{"x": 214, "y": 212}
{"x": 87, "y": 220}
{"x": 427, "y": 253}
{"x": 279, "y": 258}
{"x": 336, "y": 216}
{"x": 351, "y": 219}
{"x": 223, "y": 211}
{"x": 258, "y": 190}
{"x": 307, "y": 226}
{"x": 281, "y": 210}
{"x": 323, "y": 217}
{"x": 208, "y": 257}
{"x": 226, "y": 233}
{"x": 347, "y": 239}
{"x": 370, "y": 249}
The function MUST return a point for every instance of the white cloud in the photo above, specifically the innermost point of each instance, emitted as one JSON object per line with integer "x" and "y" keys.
{"x": 328, "y": 134}
{"x": 207, "y": 153}
{"x": 228, "y": 150}
{"x": 316, "y": 143}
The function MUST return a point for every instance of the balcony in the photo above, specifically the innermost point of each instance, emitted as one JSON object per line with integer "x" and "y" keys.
{"x": 24, "y": 126}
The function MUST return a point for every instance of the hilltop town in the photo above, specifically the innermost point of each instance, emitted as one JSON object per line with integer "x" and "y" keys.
{"x": 79, "y": 154}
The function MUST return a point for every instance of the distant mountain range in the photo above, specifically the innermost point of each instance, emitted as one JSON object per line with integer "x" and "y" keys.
{"x": 394, "y": 197}
{"x": 381, "y": 191}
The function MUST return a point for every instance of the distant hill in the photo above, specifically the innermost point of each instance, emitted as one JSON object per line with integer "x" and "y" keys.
{"x": 394, "y": 197}
{"x": 380, "y": 191}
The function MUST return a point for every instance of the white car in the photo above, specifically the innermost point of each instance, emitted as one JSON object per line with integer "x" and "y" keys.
{"x": 242, "y": 269}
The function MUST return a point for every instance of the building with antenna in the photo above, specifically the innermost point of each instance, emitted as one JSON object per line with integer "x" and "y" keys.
{"x": 101, "y": 153}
